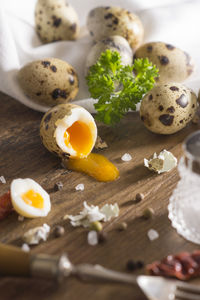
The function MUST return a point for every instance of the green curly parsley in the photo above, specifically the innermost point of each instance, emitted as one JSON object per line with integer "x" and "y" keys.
{"x": 118, "y": 88}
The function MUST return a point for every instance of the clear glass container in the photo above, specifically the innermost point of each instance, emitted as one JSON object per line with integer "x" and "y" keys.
{"x": 184, "y": 203}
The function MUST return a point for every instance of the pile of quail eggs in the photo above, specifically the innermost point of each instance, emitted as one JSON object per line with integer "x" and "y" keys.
{"x": 166, "y": 109}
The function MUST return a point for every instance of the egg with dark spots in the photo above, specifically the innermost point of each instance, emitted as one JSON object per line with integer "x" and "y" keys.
{"x": 49, "y": 82}
{"x": 56, "y": 20}
{"x": 171, "y": 108}
{"x": 173, "y": 63}
{"x": 114, "y": 43}
{"x": 68, "y": 130}
{"x": 103, "y": 22}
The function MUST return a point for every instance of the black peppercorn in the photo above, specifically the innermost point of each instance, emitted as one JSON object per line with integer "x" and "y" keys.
{"x": 59, "y": 231}
{"x": 130, "y": 265}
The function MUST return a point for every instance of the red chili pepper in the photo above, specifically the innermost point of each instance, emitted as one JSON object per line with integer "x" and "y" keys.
{"x": 183, "y": 266}
{"x": 5, "y": 205}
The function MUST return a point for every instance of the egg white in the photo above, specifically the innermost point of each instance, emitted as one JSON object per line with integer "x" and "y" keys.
{"x": 18, "y": 188}
{"x": 77, "y": 114}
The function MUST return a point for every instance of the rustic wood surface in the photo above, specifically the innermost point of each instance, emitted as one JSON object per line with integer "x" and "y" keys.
{"x": 23, "y": 155}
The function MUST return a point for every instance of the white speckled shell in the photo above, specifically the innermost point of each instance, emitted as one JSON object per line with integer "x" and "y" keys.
{"x": 168, "y": 108}
{"x": 56, "y": 20}
{"x": 47, "y": 127}
{"x": 174, "y": 64}
{"x": 50, "y": 81}
{"x": 106, "y": 21}
{"x": 114, "y": 43}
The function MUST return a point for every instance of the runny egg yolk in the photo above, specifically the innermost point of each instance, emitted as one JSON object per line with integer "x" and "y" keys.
{"x": 95, "y": 165}
{"x": 33, "y": 198}
{"x": 79, "y": 137}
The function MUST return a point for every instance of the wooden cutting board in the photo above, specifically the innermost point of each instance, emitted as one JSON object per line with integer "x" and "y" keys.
{"x": 22, "y": 155}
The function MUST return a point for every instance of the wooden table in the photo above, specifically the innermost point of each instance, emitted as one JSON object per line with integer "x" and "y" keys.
{"x": 23, "y": 155}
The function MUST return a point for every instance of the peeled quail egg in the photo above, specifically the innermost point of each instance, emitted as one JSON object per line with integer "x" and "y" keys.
{"x": 29, "y": 199}
{"x": 68, "y": 130}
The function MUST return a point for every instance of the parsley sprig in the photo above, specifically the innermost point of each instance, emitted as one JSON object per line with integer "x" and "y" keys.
{"x": 118, "y": 88}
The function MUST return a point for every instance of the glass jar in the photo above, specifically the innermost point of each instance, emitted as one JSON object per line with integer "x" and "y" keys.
{"x": 184, "y": 203}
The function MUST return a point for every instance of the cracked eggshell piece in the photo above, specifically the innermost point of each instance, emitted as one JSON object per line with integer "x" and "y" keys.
{"x": 34, "y": 235}
{"x": 114, "y": 43}
{"x": 49, "y": 82}
{"x": 56, "y": 20}
{"x": 29, "y": 199}
{"x": 68, "y": 130}
{"x": 112, "y": 20}
{"x": 92, "y": 213}
{"x": 168, "y": 108}
{"x": 173, "y": 63}
{"x": 164, "y": 162}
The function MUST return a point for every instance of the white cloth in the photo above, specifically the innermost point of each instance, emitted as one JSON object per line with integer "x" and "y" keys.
{"x": 172, "y": 21}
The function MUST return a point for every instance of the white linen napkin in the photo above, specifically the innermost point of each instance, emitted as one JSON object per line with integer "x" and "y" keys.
{"x": 172, "y": 21}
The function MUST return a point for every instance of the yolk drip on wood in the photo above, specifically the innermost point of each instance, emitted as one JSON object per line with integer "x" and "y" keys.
{"x": 95, "y": 165}
{"x": 79, "y": 137}
{"x": 33, "y": 198}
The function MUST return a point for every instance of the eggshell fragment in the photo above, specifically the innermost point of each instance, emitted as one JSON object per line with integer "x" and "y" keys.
{"x": 34, "y": 235}
{"x": 56, "y": 20}
{"x": 164, "y": 162}
{"x": 168, "y": 108}
{"x": 173, "y": 63}
{"x": 110, "y": 20}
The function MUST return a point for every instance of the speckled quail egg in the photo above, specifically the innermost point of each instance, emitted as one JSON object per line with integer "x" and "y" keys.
{"x": 49, "y": 82}
{"x": 68, "y": 130}
{"x": 114, "y": 43}
{"x": 110, "y": 20}
{"x": 173, "y": 63}
{"x": 168, "y": 108}
{"x": 56, "y": 20}
{"x": 29, "y": 199}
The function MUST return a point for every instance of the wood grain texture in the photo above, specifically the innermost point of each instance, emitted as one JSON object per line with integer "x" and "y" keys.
{"x": 23, "y": 155}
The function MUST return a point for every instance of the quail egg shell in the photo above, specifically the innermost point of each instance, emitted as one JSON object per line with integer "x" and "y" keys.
{"x": 168, "y": 108}
{"x": 56, "y": 20}
{"x": 174, "y": 64}
{"x": 68, "y": 130}
{"x": 29, "y": 199}
{"x": 112, "y": 20}
{"x": 114, "y": 43}
{"x": 49, "y": 82}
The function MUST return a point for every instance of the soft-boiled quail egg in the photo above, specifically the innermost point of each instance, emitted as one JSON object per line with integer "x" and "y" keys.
{"x": 29, "y": 199}
{"x": 68, "y": 130}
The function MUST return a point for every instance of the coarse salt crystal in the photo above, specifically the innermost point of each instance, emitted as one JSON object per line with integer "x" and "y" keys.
{"x": 80, "y": 187}
{"x": 2, "y": 179}
{"x": 152, "y": 234}
{"x": 25, "y": 247}
{"x": 92, "y": 238}
{"x": 126, "y": 157}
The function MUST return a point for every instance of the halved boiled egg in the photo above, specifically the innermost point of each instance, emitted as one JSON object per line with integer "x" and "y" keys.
{"x": 68, "y": 130}
{"x": 29, "y": 199}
